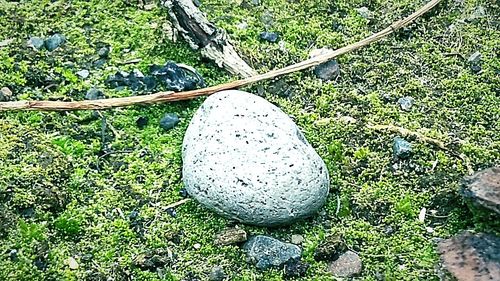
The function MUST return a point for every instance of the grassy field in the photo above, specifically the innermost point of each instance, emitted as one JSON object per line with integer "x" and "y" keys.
{"x": 68, "y": 189}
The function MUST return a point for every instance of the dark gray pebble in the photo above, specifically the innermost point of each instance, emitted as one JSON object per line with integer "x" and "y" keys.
{"x": 269, "y": 36}
{"x": 401, "y": 148}
{"x": 169, "y": 121}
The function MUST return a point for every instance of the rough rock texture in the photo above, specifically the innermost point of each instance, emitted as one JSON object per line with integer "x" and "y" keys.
{"x": 469, "y": 256}
{"x": 246, "y": 159}
{"x": 483, "y": 188}
{"x": 347, "y": 265}
{"x": 231, "y": 236}
{"x": 266, "y": 252}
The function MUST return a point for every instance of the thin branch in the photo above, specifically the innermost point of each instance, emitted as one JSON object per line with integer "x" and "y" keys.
{"x": 178, "y": 203}
{"x": 406, "y": 132}
{"x": 171, "y": 96}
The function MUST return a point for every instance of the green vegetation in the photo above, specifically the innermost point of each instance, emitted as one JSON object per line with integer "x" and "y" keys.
{"x": 66, "y": 193}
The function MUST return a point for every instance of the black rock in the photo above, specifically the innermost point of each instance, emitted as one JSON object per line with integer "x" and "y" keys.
{"x": 328, "y": 70}
{"x": 169, "y": 121}
{"x": 217, "y": 274}
{"x": 142, "y": 122}
{"x": 401, "y": 148}
{"x": 117, "y": 80}
{"x": 269, "y": 36}
{"x": 295, "y": 269}
{"x": 133, "y": 215}
{"x": 13, "y": 255}
{"x": 183, "y": 193}
{"x": 177, "y": 79}
{"x": 99, "y": 63}
{"x": 406, "y": 103}
{"x": 172, "y": 212}
{"x": 36, "y": 42}
{"x": 94, "y": 94}
{"x": 103, "y": 52}
{"x": 149, "y": 83}
{"x": 54, "y": 41}
{"x": 40, "y": 263}
{"x": 476, "y": 68}
{"x": 266, "y": 252}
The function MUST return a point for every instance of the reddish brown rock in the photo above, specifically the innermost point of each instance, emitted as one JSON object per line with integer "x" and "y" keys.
{"x": 471, "y": 257}
{"x": 483, "y": 188}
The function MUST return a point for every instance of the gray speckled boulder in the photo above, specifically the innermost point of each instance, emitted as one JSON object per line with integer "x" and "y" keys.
{"x": 247, "y": 160}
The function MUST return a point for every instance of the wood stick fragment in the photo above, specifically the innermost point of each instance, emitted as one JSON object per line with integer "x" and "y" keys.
{"x": 405, "y": 132}
{"x": 171, "y": 96}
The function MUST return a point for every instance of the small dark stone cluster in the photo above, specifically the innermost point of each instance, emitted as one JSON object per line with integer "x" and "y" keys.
{"x": 171, "y": 77}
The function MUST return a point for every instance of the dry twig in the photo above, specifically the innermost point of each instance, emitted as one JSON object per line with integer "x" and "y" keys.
{"x": 171, "y": 96}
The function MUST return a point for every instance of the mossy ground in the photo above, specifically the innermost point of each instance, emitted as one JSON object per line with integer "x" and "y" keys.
{"x": 66, "y": 193}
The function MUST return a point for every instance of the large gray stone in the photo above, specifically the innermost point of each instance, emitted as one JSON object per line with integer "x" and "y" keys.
{"x": 247, "y": 160}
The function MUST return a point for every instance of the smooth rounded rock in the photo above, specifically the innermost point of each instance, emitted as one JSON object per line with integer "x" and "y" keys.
{"x": 245, "y": 159}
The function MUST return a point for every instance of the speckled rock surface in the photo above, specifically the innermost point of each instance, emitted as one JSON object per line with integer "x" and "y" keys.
{"x": 247, "y": 160}
{"x": 266, "y": 252}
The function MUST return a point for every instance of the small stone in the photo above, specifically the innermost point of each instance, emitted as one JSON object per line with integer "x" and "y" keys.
{"x": 94, "y": 94}
{"x": 269, "y": 36}
{"x": 72, "y": 263}
{"x": 475, "y": 57}
{"x": 133, "y": 215}
{"x": 247, "y": 160}
{"x": 295, "y": 269}
{"x": 406, "y": 103}
{"x": 266, "y": 252}
{"x": 197, "y": 246}
{"x": 401, "y": 148}
{"x": 297, "y": 239}
{"x": 54, "y": 41}
{"x": 483, "y": 189}
{"x": 364, "y": 12}
{"x": 217, "y": 274}
{"x": 169, "y": 121}
{"x": 347, "y": 265}
{"x": 183, "y": 193}
{"x": 13, "y": 255}
{"x": 5, "y": 94}
{"x": 231, "y": 236}
{"x": 327, "y": 71}
{"x": 103, "y": 52}
{"x": 84, "y": 74}
{"x": 142, "y": 122}
{"x": 329, "y": 249}
{"x": 171, "y": 212}
{"x": 36, "y": 42}
{"x": 470, "y": 256}
{"x": 99, "y": 63}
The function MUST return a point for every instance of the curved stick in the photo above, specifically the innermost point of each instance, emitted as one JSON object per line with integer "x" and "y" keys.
{"x": 172, "y": 96}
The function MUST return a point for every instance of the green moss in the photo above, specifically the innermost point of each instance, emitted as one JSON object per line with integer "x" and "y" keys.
{"x": 66, "y": 193}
